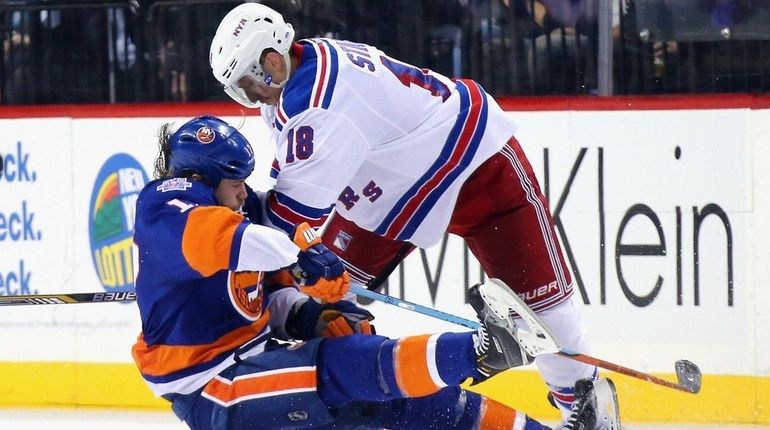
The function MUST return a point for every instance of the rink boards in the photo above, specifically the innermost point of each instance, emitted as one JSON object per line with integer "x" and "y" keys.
{"x": 662, "y": 206}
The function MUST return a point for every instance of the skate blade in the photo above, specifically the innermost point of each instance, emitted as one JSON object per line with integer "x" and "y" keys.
{"x": 501, "y": 300}
{"x": 608, "y": 416}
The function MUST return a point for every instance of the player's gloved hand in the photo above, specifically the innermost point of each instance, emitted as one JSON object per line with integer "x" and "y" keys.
{"x": 343, "y": 318}
{"x": 321, "y": 270}
{"x": 252, "y": 207}
{"x": 328, "y": 290}
{"x": 310, "y": 319}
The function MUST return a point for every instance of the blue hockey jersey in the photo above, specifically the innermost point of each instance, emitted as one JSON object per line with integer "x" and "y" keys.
{"x": 199, "y": 288}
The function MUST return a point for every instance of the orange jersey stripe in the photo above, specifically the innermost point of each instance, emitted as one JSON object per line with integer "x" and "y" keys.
{"x": 264, "y": 384}
{"x": 410, "y": 358}
{"x": 208, "y": 238}
{"x": 496, "y": 416}
{"x": 159, "y": 360}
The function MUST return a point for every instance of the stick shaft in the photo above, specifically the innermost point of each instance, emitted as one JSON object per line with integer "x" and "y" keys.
{"x": 414, "y": 307}
{"x": 63, "y": 299}
{"x": 621, "y": 369}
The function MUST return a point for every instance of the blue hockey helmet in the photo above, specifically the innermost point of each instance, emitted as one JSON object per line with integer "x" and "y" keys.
{"x": 212, "y": 148}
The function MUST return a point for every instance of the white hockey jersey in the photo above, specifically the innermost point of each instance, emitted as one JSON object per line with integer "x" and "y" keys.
{"x": 385, "y": 143}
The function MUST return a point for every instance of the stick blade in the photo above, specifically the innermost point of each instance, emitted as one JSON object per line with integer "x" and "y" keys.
{"x": 689, "y": 376}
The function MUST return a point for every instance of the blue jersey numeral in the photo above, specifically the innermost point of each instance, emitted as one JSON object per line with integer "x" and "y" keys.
{"x": 300, "y": 144}
{"x": 409, "y": 75}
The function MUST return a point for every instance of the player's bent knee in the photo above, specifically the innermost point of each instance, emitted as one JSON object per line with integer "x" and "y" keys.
{"x": 349, "y": 369}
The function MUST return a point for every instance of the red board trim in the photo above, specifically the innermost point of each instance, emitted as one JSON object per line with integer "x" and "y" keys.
{"x": 534, "y": 103}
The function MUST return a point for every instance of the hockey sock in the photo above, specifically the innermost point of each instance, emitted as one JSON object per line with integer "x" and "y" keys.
{"x": 416, "y": 366}
{"x": 424, "y": 370}
{"x": 375, "y": 368}
{"x": 486, "y": 414}
{"x": 563, "y": 397}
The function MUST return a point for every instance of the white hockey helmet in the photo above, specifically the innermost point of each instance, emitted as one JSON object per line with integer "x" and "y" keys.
{"x": 244, "y": 33}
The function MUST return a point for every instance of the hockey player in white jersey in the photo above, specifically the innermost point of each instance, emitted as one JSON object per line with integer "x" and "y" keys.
{"x": 404, "y": 155}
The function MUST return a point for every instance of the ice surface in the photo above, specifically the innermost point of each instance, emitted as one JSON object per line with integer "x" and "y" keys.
{"x": 103, "y": 419}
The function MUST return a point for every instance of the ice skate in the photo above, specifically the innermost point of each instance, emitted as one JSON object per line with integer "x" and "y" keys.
{"x": 595, "y": 406}
{"x": 496, "y": 345}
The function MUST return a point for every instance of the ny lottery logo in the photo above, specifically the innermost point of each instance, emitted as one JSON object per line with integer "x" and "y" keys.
{"x": 111, "y": 220}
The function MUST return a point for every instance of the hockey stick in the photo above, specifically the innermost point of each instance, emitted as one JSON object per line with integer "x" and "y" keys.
{"x": 61, "y": 299}
{"x": 688, "y": 374}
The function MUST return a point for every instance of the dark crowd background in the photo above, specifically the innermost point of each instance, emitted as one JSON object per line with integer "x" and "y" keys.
{"x": 146, "y": 51}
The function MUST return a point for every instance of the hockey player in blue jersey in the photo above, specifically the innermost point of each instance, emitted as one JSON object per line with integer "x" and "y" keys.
{"x": 403, "y": 155}
{"x": 213, "y": 289}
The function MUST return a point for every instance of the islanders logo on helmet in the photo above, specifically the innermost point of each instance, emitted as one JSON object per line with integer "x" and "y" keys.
{"x": 209, "y": 147}
{"x": 205, "y": 135}
{"x": 111, "y": 221}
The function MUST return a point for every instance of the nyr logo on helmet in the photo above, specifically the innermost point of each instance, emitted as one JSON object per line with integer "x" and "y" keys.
{"x": 111, "y": 221}
{"x": 241, "y": 24}
{"x": 205, "y": 135}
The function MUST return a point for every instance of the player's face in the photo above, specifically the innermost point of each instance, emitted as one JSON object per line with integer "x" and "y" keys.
{"x": 259, "y": 91}
{"x": 231, "y": 193}
{"x": 272, "y": 63}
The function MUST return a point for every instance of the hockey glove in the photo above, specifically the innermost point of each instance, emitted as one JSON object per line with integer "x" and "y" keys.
{"x": 310, "y": 319}
{"x": 321, "y": 270}
{"x": 252, "y": 207}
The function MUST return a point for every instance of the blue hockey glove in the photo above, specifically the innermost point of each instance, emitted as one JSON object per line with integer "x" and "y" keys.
{"x": 252, "y": 207}
{"x": 321, "y": 270}
{"x": 310, "y": 319}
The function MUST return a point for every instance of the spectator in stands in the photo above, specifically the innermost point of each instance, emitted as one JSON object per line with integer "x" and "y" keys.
{"x": 568, "y": 34}
{"x": 16, "y": 58}
{"x": 444, "y": 22}
{"x": 172, "y": 76}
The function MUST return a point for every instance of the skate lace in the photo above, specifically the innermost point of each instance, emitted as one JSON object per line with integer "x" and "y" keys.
{"x": 481, "y": 341}
{"x": 574, "y": 416}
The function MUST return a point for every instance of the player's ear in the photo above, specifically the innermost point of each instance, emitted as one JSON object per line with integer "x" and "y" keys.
{"x": 273, "y": 62}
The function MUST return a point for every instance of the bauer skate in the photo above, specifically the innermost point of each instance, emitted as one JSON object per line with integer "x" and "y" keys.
{"x": 595, "y": 406}
{"x": 496, "y": 345}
